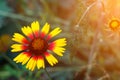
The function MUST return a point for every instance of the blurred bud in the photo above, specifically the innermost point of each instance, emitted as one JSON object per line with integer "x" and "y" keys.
{"x": 5, "y": 41}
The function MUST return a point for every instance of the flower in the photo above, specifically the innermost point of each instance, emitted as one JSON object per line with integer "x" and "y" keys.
{"x": 37, "y": 46}
{"x": 113, "y": 27}
{"x": 114, "y": 24}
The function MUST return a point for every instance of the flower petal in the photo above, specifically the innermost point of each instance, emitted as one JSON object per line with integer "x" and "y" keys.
{"x": 45, "y": 30}
{"x": 19, "y": 38}
{"x": 18, "y": 47}
{"x": 22, "y": 58}
{"x": 57, "y": 43}
{"x": 26, "y": 58}
{"x": 31, "y": 63}
{"x": 60, "y": 42}
{"x": 53, "y": 33}
{"x": 40, "y": 62}
{"x": 28, "y": 32}
{"x": 35, "y": 28}
{"x": 17, "y": 59}
{"x": 58, "y": 50}
{"x": 50, "y": 58}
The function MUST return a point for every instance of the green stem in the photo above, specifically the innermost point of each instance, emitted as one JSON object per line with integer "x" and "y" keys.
{"x": 37, "y": 75}
{"x": 29, "y": 77}
{"x": 48, "y": 74}
{"x": 9, "y": 60}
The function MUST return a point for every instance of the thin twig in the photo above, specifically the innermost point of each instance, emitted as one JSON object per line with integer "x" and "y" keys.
{"x": 92, "y": 53}
{"x": 71, "y": 68}
{"x": 105, "y": 72}
{"x": 103, "y": 77}
{"x": 86, "y": 11}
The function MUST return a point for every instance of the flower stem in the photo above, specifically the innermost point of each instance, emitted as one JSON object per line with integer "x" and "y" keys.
{"x": 9, "y": 60}
{"x": 48, "y": 74}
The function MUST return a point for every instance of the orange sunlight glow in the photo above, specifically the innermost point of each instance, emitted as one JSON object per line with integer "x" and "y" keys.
{"x": 112, "y": 16}
{"x": 112, "y": 7}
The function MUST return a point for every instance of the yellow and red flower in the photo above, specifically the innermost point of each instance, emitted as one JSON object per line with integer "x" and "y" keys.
{"x": 37, "y": 46}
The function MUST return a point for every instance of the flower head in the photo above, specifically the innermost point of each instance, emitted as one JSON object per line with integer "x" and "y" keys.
{"x": 114, "y": 24}
{"x": 37, "y": 46}
{"x": 113, "y": 27}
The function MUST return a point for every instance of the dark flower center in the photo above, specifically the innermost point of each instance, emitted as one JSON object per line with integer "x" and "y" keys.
{"x": 38, "y": 46}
